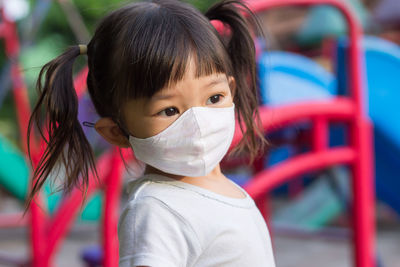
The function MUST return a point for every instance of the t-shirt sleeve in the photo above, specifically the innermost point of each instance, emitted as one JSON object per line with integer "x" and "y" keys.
{"x": 152, "y": 234}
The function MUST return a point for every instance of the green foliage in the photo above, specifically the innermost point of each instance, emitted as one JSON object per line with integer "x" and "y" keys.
{"x": 54, "y": 22}
{"x": 202, "y": 5}
{"x": 92, "y": 11}
{"x": 34, "y": 57}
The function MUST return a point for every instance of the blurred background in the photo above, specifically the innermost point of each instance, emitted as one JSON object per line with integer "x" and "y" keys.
{"x": 300, "y": 58}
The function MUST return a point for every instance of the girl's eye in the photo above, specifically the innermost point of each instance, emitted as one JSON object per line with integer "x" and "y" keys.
{"x": 214, "y": 99}
{"x": 169, "y": 112}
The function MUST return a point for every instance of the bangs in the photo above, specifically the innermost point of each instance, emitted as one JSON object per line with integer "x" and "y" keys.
{"x": 160, "y": 42}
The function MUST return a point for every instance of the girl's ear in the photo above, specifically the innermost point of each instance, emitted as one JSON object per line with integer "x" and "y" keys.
{"x": 110, "y": 131}
{"x": 232, "y": 86}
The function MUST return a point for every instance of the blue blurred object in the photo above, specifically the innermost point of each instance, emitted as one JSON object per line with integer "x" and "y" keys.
{"x": 92, "y": 256}
{"x": 287, "y": 78}
{"x": 239, "y": 178}
{"x": 382, "y": 60}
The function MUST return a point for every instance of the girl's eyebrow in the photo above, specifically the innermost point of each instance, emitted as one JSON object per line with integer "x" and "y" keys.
{"x": 216, "y": 81}
{"x": 162, "y": 96}
{"x": 171, "y": 95}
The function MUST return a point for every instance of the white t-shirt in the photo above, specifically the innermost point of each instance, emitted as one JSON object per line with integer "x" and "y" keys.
{"x": 170, "y": 223}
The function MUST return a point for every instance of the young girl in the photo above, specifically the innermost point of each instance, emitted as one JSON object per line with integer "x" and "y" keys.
{"x": 167, "y": 84}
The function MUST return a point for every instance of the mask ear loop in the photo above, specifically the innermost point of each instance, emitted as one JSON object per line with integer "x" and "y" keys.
{"x": 91, "y": 125}
{"x": 122, "y": 128}
{"x": 88, "y": 124}
{"x": 126, "y": 133}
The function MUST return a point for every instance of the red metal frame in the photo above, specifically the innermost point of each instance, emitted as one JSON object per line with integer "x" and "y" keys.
{"x": 47, "y": 233}
{"x": 358, "y": 154}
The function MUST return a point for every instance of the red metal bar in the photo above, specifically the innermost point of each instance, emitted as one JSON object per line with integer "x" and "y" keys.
{"x": 363, "y": 214}
{"x": 363, "y": 195}
{"x": 80, "y": 82}
{"x": 20, "y": 93}
{"x": 351, "y": 110}
{"x": 111, "y": 214}
{"x": 61, "y": 221}
{"x": 355, "y": 34}
{"x": 47, "y": 233}
{"x": 340, "y": 109}
{"x": 37, "y": 233}
{"x": 258, "y": 165}
{"x": 320, "y": 134}
{"x": 283, "y": 172}
{"x": 37, "y": 216}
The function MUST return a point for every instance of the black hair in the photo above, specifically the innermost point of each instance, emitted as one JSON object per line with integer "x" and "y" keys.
{"x": 136, "y": 51}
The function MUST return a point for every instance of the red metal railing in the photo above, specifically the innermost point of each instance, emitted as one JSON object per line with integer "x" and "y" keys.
{"x": 47, "y": 233}
{"x": 358, "y": 154}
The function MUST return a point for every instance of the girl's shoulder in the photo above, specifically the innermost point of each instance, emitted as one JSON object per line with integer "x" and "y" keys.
{"x": 183, "y": 195}
{"x": 158, "y": 187}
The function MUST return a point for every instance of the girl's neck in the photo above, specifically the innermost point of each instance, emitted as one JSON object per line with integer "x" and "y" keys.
{"x": 214, "y": 175}
{"x": 215, "y": 181}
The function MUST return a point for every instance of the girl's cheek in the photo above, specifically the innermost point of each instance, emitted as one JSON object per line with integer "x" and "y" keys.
{"x": 155, "y": 126}
{"x": 228, "y": 101}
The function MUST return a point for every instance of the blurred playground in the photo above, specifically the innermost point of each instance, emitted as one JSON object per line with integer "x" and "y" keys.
{"x": 328, "y": 185}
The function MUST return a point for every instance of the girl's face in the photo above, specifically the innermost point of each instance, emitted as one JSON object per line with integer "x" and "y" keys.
{"x": 147, "y": 117}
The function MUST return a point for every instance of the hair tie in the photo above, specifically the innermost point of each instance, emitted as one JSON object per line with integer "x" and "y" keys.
{"x": 82, "y": 49}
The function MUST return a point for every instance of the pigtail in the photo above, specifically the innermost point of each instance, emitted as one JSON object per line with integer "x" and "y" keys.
{"x": 241, "y": 50}
{"x": 55, "y": 116}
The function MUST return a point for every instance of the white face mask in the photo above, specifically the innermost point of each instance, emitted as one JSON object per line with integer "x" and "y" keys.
{"x": 193, "y": 145}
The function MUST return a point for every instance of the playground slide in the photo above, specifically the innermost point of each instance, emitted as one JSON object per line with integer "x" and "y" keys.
{"x": 382, "y": 60}
{"x": 383, "y": 70}
{"x": 12, "y": 168}
{"x": 286, "y": 78}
